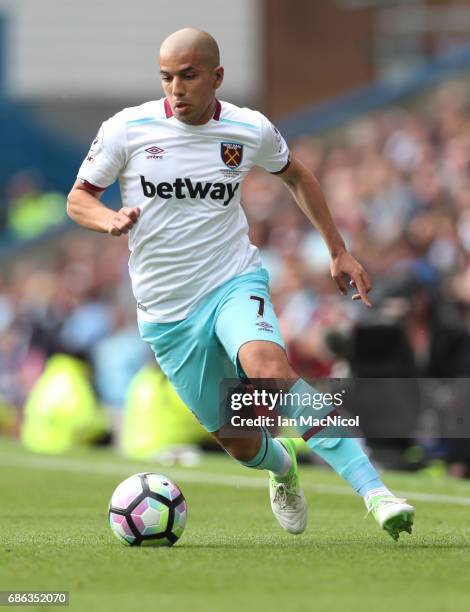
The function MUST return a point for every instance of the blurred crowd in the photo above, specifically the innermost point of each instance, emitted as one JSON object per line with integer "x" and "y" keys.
{"x": 27, "y": 208}
{"x": 76, "y": 301}
{"x": 398, "y": 186}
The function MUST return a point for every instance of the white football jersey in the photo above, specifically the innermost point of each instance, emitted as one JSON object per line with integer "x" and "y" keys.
{"x": 192, "y": 234}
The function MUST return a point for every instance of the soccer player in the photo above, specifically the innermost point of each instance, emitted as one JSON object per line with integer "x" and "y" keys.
{"x": 202, "y": 294}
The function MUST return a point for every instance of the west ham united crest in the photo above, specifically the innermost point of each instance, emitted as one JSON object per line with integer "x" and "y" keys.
{"x": 232, "y": 154}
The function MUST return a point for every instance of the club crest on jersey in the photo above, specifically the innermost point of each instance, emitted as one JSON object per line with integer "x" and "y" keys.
{"x": 232, "y": 154}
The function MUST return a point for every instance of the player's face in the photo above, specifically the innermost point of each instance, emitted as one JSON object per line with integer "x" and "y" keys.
{"x": 190, "y": 86}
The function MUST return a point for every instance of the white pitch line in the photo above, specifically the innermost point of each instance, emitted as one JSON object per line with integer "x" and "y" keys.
{"x": 120, "y": 469}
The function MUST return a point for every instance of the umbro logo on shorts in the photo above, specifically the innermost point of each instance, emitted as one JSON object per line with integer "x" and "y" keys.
{"x": 183, "y": 188}
{"x": 265, "y": 326}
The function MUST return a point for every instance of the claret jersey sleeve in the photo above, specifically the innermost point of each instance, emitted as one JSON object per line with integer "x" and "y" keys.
{"x": 107, "y": 155}
{"x": 273, "y": 154}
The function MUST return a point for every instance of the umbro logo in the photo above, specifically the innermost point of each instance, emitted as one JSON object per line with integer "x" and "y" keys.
{"x": 265, "y": 326}
{"x": 155, "y": 152}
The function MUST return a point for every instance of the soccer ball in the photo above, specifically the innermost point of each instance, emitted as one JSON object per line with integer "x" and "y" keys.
{"x": 147, "y": 510}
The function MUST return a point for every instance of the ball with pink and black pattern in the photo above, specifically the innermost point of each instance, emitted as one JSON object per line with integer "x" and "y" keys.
{"x": 147, "y": 510}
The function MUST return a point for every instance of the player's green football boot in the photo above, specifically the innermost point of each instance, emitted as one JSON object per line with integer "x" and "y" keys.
{"x": 288, "y": 501}
{"x": 392, "y": 514}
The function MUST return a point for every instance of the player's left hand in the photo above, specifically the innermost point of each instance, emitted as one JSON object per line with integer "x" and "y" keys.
{"x": 345, "y": 264}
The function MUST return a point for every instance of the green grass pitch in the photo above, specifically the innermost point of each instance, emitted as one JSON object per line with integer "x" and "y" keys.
{"x": 232, "y": 556}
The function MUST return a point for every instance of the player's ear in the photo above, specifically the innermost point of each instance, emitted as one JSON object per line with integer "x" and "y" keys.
{"x": 218, "y": 76}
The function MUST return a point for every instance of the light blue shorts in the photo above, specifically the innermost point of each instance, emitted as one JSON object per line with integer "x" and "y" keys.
{"x": 201, "y": 350}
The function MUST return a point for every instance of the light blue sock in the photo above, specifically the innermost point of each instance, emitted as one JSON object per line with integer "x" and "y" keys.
{"x": 271, "y": 456}
{"x": 344, "y": 455}
{"x": 348, "y": 459}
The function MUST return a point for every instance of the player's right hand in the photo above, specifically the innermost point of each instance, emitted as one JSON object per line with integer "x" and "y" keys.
{"x": 123, "y": 220}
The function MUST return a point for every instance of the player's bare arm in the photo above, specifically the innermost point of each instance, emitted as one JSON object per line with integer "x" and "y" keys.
{"x": 85, "y": 208}
{"x": 309, "y": 197}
